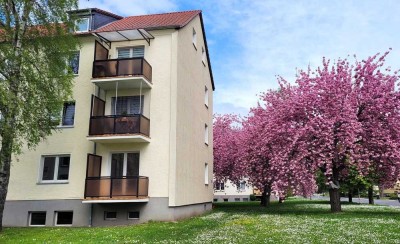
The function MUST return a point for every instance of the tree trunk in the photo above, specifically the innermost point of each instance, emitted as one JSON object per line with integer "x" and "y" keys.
{"x": 381, "y": 193}
{"x": 266, "y": 196}
{"x": 370, "y": 195}
{"x": 350, "y": 195}
{"x": 334, "y": 194}
{"x": 5, "y": 162}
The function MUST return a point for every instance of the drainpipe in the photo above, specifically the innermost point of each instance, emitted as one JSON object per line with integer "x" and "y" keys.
{"x": 90, "y": 215}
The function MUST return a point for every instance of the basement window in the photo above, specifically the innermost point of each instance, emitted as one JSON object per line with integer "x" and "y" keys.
{"x": 37, "y": 218}
{"x": 110, "y": 215}
{"x": 64, "y": 218}
{"x": 134, "y": 215}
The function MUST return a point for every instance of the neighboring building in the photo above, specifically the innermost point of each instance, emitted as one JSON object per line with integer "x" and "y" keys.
{"x": 394, "y": 190}
{"x": 231, "y": 192}
{"x": 135, "y": 141}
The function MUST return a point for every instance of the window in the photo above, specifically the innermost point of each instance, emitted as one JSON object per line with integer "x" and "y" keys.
{"x": 203, "y": 55}
{"x": 219, "y": 186}
{"x": 131, "y": 52}
{"x": 64, "y": 218}
{"x": 215, "y": 200}
{"x": 110, "y": 215}
{"x": 206, "y": 97}
{"x": 74, "y": 62}
{"x": 127, "y": 105}
{"x": 124, "y": 164}
{"x": 206, "y": 134}
{"x": 37, "y": 218}
{"x": 245, "y": 199}
{"x": 241, "y": 186}
{"x": 133, "y": 215}
{"x": 225, "y": 199}
{"x": 237, "y": 199}
{"x": 68, "y": 114}
{"x": 194, "y": 39}
{"x": 206, "y": 173}
{"x": 55, "y": 168}
{"x": 82, "y": 25}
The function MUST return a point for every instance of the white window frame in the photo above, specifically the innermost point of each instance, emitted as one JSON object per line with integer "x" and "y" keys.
{"x": 206, "y": 178}
{"x": 60, "y": 125}
{"x": 56, "y": 166}
{"x": 131, "y": 50}
{"x": 218, "y": 185}
{"x": 56, "y": 217}
{"x": 206, "y": 134}
{"x": 30, "y": 218}
{"x": 79, "y": 61}
{"x": 88, "y": 25}
{"x": 194, "y": 38}
{"x": 206, "y": 96}
{"x": 125, "y": 167}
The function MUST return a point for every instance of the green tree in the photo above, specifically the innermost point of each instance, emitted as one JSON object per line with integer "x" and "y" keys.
{"x": 36, "y": 43}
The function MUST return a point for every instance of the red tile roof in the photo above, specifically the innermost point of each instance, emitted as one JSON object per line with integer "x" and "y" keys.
{"x": 152, "y": 21}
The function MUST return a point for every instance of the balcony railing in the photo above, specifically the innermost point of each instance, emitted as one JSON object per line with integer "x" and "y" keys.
{"x": 122, "y": 67}
{"x": 119, "y": 124}
{"x": 107, "y": 187}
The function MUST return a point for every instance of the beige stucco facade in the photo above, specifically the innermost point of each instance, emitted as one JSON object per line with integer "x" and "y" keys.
{"x": 175, "y": 155}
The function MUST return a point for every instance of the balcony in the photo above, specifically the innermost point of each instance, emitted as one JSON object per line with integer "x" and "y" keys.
{"x": 124, "y": 189}
{"x": 119, "y": 129}
{"x": 131, "y": 73}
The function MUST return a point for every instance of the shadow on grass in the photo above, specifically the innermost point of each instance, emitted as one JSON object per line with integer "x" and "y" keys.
{"x": 316, "y": 208}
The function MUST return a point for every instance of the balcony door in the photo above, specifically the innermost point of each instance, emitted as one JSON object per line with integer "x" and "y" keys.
{"x": 124, "y": 164}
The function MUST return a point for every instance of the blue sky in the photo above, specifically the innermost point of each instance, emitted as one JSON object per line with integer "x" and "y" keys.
{"x": 251, "y": 42}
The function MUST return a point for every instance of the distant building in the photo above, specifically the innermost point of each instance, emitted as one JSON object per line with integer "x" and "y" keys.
{"x": 231, "y": 192}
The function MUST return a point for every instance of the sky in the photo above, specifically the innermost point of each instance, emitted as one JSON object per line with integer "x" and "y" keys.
{"x": 250, "y": 43}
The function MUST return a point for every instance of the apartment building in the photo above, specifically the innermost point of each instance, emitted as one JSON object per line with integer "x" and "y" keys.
{"x": 135, "y": 140}
{"x": 232, "y": 192}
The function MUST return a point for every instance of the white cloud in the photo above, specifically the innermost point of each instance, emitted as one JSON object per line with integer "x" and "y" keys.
{"x": 250, "y": 42}
{"x": 130, "y": 7}
{"x": 269, "y": 38}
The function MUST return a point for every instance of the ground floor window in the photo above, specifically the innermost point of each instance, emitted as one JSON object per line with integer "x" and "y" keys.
{"x": 134, "y": 215}
{"x": 55, "y": 168}
{"x": 37, "y": 218}
{"x": 64, "y": 218}
{"x": 237, "y": 199}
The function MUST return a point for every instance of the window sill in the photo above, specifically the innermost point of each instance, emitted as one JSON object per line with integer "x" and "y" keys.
{"x": 52, "y": 182}
{"x": 206, "y": 106}
{"x": 65, "y": 126}
{"x": 205, "y": 143}
{"x": 203, "y": 63}
{"x": 194, "y": 45}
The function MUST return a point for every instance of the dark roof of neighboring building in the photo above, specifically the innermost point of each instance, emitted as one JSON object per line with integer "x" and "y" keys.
{"x": 100, "y": 11}
{"x": 152, "y": 21}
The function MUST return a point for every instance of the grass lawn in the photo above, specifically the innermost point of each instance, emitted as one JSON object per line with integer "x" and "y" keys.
{"x": 295, "y": 221}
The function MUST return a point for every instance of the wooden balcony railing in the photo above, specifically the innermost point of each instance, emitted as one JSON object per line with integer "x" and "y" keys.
{"x": 107, "y": 187}
{"x": 119, "y": 124}
{"x": 122, "y": 67}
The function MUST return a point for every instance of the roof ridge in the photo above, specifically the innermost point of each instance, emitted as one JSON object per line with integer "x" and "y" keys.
{"x": 178, "y": 12}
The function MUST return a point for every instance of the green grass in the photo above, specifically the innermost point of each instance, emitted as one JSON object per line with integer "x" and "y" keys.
{"x": 295, "y": 221}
